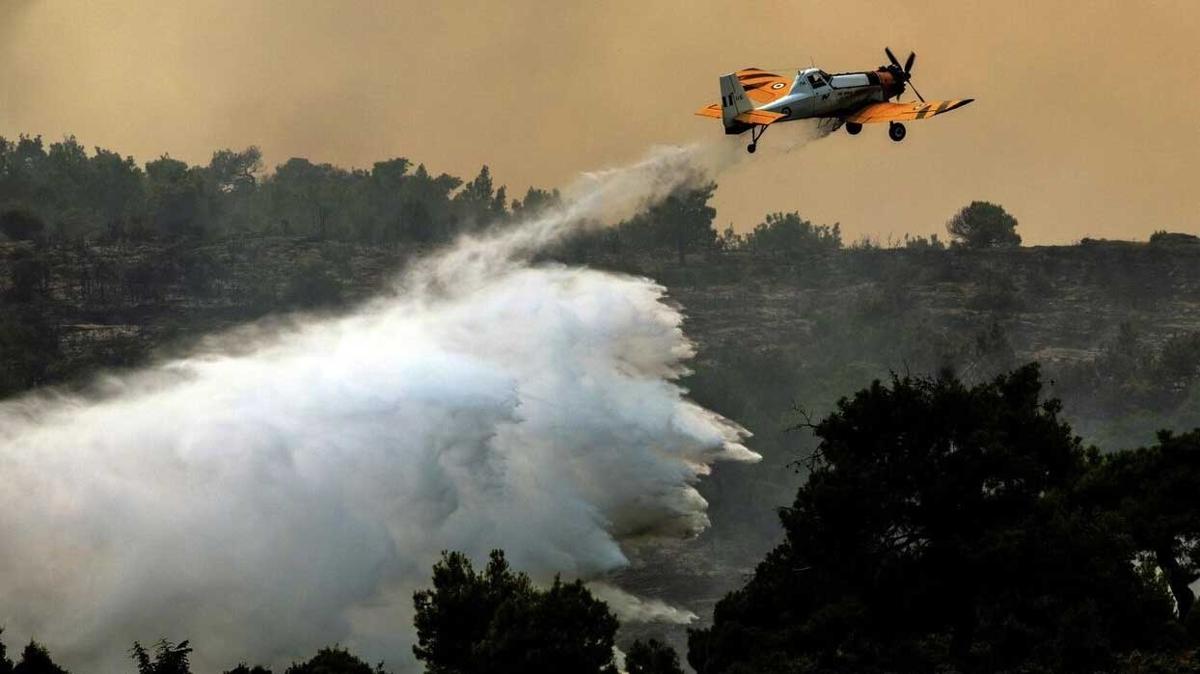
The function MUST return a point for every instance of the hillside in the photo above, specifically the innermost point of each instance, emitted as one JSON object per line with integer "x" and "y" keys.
{"x": 1115, "y": 325}
{"x": 869, "y": 310}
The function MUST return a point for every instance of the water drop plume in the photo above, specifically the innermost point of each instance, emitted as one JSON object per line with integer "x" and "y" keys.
{"x": 290, "y": 493}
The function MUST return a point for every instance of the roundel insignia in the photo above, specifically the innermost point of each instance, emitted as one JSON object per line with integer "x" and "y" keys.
{"x": 778, "y": 85}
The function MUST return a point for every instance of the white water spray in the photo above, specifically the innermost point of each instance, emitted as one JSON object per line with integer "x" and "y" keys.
{"x": 293, "y": 495}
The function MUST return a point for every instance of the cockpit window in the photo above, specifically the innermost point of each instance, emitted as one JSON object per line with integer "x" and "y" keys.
{"x": 816, "y": 80}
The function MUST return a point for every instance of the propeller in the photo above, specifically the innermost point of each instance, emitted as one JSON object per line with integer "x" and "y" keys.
{"x": 903, "y": 72}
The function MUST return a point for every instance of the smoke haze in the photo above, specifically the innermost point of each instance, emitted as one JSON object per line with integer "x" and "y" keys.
{"x": 268, "y": 503}
{"x": 1082, "y": 125}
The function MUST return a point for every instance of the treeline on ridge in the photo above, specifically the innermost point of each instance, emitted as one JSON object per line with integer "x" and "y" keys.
{"x": 61, "y": 192}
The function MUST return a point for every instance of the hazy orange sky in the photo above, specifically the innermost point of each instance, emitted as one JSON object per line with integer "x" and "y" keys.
{"x": 1087, "y": 121}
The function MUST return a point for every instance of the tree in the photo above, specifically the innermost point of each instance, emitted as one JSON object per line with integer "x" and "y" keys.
{"x": 6, "y": 665}
{"x": 1153, "y": 489}
{"x": 918, "y": 242}
{"x": 334, "y": 660}
{"x": 789, "y": 235}
{"x": 319, "y": 194}
{"x": 652, "y": 657}
{"x": 497, "y": 622}
{"x": 685, "y": 219}
{"x": 682, "y": 222}
{"x": 983, "y": 225}
{"x": 174, "y": 193}
{"x": 535, "y": 202}
{"x": 35, "y": 659}
{"x": 21, "y": 224}
{"x": 169, "y": 658}
{"x": 479, "y": 205}
{"x": 117, "y": 189}
{"x": 940, "y": 528}
{"x": 233, "y": 171}
{"x": 243, "y": 668}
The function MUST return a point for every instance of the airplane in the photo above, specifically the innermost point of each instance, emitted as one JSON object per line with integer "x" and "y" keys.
{"x": 753, "y": 99}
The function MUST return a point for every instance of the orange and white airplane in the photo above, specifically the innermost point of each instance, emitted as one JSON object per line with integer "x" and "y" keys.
{"x": 753, "y": 99}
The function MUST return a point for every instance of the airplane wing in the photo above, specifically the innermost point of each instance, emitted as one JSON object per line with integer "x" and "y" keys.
{"x": 761, "y": 86}
{"x": 752, "y": 117}
{"x": 897, "y": 112}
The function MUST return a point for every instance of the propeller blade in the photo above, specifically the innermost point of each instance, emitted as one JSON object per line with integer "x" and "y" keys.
{"x": 912, "y": 57}
{"x": 914, "y": 88}
{"x": 891, "y": 56}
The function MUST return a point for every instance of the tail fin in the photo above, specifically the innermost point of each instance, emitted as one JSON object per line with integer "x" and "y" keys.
{"x": 733, "y": 100}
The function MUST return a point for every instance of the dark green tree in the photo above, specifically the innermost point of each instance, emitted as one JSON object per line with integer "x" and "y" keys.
{"x": 681, "y": 223}
{"x": 243, "y": 668}
{"x": 789, "y": 235}
{"x": 35, "y": 659}
{"x": 535, "y": 201}
{"x": 386, "y": 193}
{"x": 684, "y": 220}
{"x": 652, "y": 657}
{"x": 234, "y": 171}
{"x": 168, "y": 658}
{"x": 117, "y": 191}
{"x": 939, "y": 528}
{"x": 335, "y": 660}
{"x": 1154, "y": 490}
{"x": 983, "y": 225}
{"x": 6, "y": 665}
{"x": 497, "y": 622}
{"x": 479, "y": 204}
{"x": 318, "y": 197}
{"x": 175, "y": 198}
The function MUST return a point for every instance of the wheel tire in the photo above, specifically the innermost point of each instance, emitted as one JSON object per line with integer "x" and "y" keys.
{"x": 751, "y": 148}
{"x": 853, "y": 128}
{"x": 786, "y": 112}
{"x": 897, "y": 132}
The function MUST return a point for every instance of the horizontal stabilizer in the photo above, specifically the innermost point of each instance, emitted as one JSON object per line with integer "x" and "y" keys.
{"x": 759, "y": 117}
{"x": 752, "y": 117}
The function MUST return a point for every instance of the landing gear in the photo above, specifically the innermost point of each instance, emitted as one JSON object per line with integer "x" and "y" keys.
{"x": 756, "y": 132}
{"x": 853, "y": 128}
{"x": 897, "y": 132}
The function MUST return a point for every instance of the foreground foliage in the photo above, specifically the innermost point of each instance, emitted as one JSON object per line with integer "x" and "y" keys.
{"x": 497, "y": 622}
{"x": 947, "y": 527}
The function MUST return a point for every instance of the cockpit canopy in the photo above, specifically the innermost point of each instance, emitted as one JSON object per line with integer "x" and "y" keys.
{"x": 816, "y": 78}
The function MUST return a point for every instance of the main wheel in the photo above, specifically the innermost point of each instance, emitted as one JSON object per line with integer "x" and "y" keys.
{"x": 751, "y": 148}
{"x": 853, "y": 128}
{"x": 897, "y": 132}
